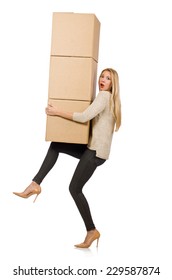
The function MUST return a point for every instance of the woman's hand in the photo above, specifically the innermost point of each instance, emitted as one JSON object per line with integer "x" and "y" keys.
{"x": 51, "y": 110}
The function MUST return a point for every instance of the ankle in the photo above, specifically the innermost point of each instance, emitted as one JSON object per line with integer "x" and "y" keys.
{"x": 92, "y": 230}
{"x": 34, "y": 183}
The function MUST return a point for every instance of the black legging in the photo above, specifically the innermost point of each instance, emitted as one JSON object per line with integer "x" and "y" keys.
{"x": 84, "y": 170}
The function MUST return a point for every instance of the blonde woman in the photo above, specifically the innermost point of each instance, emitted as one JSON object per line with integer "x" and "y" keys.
{"x": 105, "y": 113}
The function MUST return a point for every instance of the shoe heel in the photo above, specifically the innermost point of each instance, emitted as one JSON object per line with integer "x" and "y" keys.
{"x": 97, "y": 242}
{"x": 35, "y": 198}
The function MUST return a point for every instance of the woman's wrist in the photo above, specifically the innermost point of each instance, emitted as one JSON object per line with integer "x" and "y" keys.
{"x": 63, "y": 114}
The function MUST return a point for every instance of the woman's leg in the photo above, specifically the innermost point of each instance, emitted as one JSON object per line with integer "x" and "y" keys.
{"x": 84, "y": 170}
{"x": 75, "y": 150}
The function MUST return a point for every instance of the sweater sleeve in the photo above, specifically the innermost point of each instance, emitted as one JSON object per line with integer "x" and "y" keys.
{"x": 97, "y": 106}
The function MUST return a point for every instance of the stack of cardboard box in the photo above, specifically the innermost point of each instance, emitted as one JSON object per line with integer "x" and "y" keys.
{"x": 73, "y": 72}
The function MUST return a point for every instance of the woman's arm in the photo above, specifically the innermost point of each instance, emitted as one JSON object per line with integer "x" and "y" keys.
{"x": 92, "y": 110}
{"x": 52, "y": 111}
{"x": 96, "y": 107}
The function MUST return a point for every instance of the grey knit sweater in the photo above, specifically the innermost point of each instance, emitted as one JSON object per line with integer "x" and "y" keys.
{"x": 102, "y": 124}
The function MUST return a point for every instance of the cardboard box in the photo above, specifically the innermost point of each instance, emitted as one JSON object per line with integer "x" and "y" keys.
{"x": 72, "y": 78}
{"x": 62, "y": 130}
{"x": 73, "y": 72}
{"x": 75, "y": 34}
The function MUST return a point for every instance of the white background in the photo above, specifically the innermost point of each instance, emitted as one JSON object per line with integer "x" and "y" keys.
{"x": 130, "y": 195}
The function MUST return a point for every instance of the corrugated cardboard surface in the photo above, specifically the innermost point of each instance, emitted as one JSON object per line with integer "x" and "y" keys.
{"x": 72, "y": 78}
{"x": 72, "y": 74}
{"x": 75, "y": 34}
{"x": 62, "y": 130}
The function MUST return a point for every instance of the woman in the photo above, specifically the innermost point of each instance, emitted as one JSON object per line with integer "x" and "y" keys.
{"x": 105, "y": 113}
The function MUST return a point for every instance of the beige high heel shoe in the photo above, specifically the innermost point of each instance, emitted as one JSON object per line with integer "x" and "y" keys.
{"x": 32, "y": 189}
{"x": 91, "y": 236}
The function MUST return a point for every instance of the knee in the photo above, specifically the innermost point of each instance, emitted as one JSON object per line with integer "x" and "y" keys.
{"x": 72, "y": 190}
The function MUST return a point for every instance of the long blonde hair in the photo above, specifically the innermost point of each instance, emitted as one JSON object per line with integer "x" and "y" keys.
{"x": 115, "y": 97}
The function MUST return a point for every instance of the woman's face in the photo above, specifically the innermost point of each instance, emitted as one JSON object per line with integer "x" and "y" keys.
{"x": 105, "y": 82}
